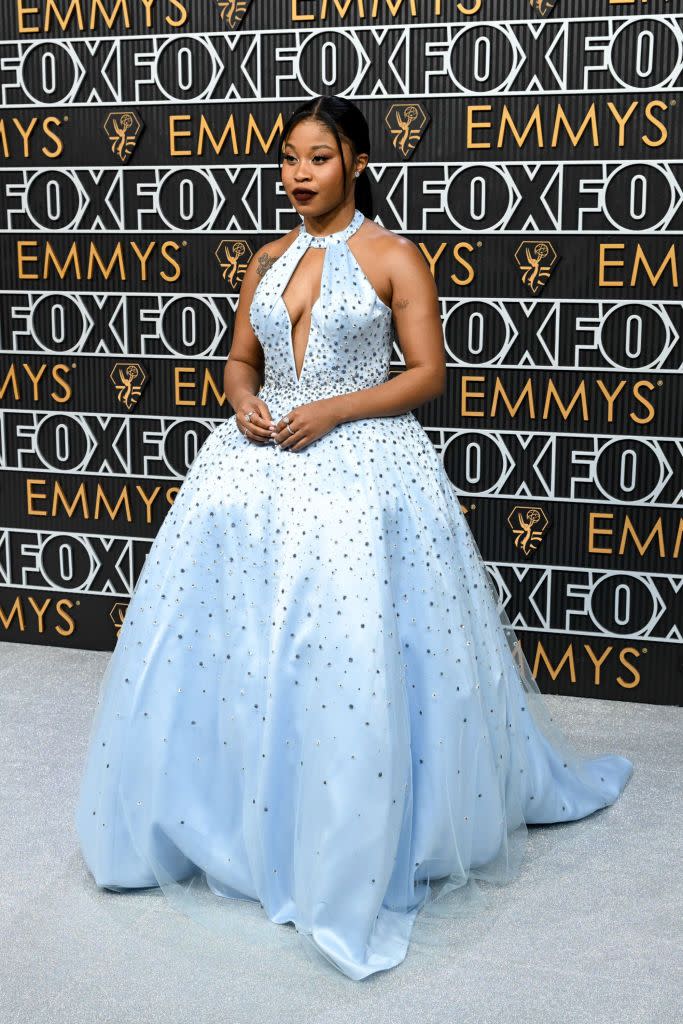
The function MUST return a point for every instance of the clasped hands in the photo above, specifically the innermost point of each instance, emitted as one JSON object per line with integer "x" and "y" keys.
{"x": 306, "y": 423}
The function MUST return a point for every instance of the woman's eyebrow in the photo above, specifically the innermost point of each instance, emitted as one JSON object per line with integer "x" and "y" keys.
{"x": 320, "y": 145}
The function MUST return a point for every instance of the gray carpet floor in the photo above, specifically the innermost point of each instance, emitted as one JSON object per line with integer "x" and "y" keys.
{"x": 589, "y": 932}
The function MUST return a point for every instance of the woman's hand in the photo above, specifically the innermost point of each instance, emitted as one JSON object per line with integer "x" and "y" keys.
{"x": 308, "y": 423}
{"x": 258, "y": 427}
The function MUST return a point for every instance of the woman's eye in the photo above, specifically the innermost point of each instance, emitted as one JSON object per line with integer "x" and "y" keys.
{"x": 324, "y": 159}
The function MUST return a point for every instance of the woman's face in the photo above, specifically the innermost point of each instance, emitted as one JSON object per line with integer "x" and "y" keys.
{"x": 312, "y": 172}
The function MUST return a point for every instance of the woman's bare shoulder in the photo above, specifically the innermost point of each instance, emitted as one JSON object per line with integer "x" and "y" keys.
{"x": 385, "y": 240}
{"x": 264, "y": 257}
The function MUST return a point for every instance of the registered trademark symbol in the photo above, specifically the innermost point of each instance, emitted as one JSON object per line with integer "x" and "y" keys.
{"x": 673, "y": 103}
{"x": 73, "y": 366}
{"x": 184, "y": 241}
{"x": 644, "y": 650}
{"x": 659, "y": 383}
{"x": 478, "y": 245}
{"x": 473, "y": 506}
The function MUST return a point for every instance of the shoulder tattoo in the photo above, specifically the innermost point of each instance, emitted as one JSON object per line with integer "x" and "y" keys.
{"x": 401, "y": 303}
{"x": 265, "y": 261}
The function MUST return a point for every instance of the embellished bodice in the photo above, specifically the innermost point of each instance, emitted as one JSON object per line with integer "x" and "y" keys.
{"x": 351, "y": 338}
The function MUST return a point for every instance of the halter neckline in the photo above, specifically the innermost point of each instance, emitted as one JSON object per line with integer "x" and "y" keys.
{"x": 322, "y": 241}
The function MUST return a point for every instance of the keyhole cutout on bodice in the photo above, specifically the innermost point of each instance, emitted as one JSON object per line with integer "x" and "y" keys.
{"x": 301, "y": 293}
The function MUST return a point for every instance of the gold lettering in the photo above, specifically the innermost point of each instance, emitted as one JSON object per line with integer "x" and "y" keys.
{"x": 296, "y": 15}
{"x": 622, "y": 119}
{"x": 109, "y": 20}
{"x": 17, "y": 611}
{"x": 624, "y": 661}
{"x": 610, "y": 396}
{"x": 527, "y": 392}
{"x": 40, "y": 611}
{"x": 431, "y": 259}
{"x": 33, "y": 495}
{"x": 473, "y": 126}
{"x": 579, "y": 395}
{"x": 65, "y": 397}
{"x": 143, "y": 257}
{"x": 116, "y": 258}
{"x": 62, "y": 604}
{"x": 208, "y": 384}
{"x": 51, "y": 7}
{"x": 597, "y": 662}
{"x": 457, "y": 251}
{"x": 148, "y": 5}
{"x": 663, "y": 133}
{"x": 59, "y": 498}
{"x": 182, "y": 17}
{"x": 253, "y": 129}
{"x": 35, "y": 378}
{"x": 148, "y": 500}
{"x": 533, "y": 122}
{"x": 629, "y": 530}
{"x": 47, "y": 126}
{"x": 641, "y": 258}
{"x": 22, "y": 12}
{"x": 641, "y": 398}
{"x": 50, "y": 257}
{"x": 183, "y": 385}
{"x": 102, "y": 500}
{"x": 11, "y": 378}
{"x": 593, "y": 530}
{"x": 554, "y": 672}
{"x": 603, "y": 263}
{"x": 205, "y": 132}
{"x": 25, "y": 133}
{"x": 575, "y": 137}
{"x": 29, "y": 258}
{"x": 167, "y": 248}
{"x": 175, "y": 134}
{"x": 465, "y": 394}
{"x": 679, "y": 540}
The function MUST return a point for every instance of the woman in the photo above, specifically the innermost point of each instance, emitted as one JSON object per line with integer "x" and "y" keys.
{"x": 315, "y": 701}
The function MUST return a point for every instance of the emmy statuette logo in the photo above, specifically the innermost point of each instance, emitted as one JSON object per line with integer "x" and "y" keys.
{"x": 407, "y": 123}
{"x": 536, "y": 260}
{"x": 233, "y": 255}
{"x": 128, "y": 379}
{"x": 233, "y": 11}
{"x": 528, "y": 524}
{"x": 543, "y": 7}
{"x": 123, "y": 129}
{"x": 117, "y": 614}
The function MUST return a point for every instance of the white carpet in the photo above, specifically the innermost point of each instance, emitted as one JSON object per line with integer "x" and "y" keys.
{"x": 589, "y": 933}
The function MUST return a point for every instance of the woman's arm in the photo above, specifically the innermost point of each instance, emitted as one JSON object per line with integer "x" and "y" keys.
{"x": 243, "y": 373}
{"x": 415, "y": 307}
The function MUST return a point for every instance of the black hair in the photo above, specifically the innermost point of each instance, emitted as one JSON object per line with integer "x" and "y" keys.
{"x": 344, "y": 119}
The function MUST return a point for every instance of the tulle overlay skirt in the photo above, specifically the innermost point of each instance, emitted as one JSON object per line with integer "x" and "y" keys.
{"x": 317, "y": 702}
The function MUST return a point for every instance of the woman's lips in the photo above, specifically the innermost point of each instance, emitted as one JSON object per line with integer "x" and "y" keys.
{"x": 302, "y": 194}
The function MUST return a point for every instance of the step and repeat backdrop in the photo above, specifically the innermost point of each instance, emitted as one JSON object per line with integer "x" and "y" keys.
{"x": 532, "y": 151}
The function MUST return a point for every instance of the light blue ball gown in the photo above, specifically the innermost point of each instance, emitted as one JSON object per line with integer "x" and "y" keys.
{"x": 316, "y": 700}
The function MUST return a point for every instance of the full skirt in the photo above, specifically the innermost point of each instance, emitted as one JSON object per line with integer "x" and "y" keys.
{"x": 317, "y": 701}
